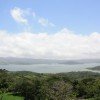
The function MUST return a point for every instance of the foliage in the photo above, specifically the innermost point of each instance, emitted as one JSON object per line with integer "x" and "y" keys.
{"x": 62, "y": 86}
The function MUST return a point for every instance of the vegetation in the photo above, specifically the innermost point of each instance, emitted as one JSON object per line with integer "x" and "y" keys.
{"x": 9, "y": 96}
{"x": 95, "y": 68}
{"x": 63, "y": 86}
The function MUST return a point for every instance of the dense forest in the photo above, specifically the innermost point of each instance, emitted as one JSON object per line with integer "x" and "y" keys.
{"x": 62, "y": 86}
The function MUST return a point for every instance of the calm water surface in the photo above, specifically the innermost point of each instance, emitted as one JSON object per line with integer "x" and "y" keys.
{"x": 50, "y": 68}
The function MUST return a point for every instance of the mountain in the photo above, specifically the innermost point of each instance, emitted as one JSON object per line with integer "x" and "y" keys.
{"x": 27, "y": 61}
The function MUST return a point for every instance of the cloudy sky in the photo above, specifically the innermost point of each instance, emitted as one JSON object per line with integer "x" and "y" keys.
{"x": 53, "y": 29}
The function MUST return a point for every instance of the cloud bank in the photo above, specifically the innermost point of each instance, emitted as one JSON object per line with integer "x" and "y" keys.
{"x": 64, "y": 44}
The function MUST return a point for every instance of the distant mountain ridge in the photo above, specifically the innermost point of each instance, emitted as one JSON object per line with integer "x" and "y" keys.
{"x": 28, "y": 61}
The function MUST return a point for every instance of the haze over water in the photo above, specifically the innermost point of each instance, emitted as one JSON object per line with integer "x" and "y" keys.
{"x": 49, "y": 68}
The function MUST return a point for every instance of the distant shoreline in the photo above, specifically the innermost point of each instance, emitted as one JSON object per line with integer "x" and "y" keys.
{"x": 96, "y": 68}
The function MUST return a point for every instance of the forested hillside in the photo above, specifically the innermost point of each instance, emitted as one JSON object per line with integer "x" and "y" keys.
{"x": 95, "y": 68}
{"x": 25, "y": 85}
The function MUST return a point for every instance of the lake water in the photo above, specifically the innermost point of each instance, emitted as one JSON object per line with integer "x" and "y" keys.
{"x": 50, "y": 68}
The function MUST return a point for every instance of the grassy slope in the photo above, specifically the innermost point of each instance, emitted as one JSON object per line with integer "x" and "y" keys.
{"x": 8, "y": 96}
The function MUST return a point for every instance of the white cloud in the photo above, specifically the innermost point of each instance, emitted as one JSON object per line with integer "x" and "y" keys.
{"x": 44, "y": 22}
{"x": 19, "y": 15}
{"x": 51, "y": 24}
{"x": 24, "y": 15}
{"x": 64, "y": 44}
{"x": 33, "y": 14}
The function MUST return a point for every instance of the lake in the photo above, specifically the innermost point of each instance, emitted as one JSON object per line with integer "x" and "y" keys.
{"x": 50, "y": 68}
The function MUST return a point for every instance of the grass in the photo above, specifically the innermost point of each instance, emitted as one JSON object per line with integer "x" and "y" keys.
{"x": 9, "y": 96}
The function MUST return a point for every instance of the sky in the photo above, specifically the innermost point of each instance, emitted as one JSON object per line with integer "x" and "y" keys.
{"x": 50, "y": 29}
